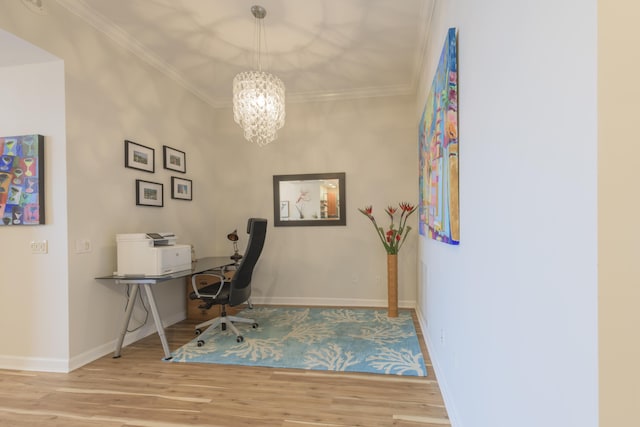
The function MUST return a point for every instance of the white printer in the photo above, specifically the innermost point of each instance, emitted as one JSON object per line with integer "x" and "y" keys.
{"x": 151, "y": 254}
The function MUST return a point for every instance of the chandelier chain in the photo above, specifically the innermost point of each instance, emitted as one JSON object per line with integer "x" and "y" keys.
{"x": 258, "y": 35}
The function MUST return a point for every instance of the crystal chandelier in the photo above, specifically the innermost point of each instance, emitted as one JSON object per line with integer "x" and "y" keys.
{"x": 258, "y": 97}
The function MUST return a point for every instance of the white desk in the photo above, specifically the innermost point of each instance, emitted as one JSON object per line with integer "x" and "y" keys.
{"x": 146, "y": 282}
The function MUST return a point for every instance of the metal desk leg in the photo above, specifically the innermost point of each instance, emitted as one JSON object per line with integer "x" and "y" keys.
{"x": 156, "y": 318}
{"x": 127, "y": 317}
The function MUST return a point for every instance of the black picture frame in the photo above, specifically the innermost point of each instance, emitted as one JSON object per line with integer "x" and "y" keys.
{"x": 140, "y": 157}
{"x": 326, "y": 205}
{"x": 173, "y": 159}
{"x": 181, "y": 188}
{"x": 149, "y": 193}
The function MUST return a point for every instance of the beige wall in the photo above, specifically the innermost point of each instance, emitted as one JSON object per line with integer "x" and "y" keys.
{"x": 111, "y": 95}
{"x": 374, "y": 142}
{"x": 618, "y": 212}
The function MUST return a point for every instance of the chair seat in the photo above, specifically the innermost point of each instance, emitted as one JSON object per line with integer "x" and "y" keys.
{"x": 221, "y": 299}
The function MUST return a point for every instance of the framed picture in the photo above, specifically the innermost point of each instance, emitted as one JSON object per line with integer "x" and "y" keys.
{"x": 22, "y": 180}
{"x": 313, "y": 199}
{"x": 139, "y": 157}
{"x": 174, "y": 160}
{"x": 149, "y": 193}
{"x": 181, "y": 188}
{"x": 284, "y": 209}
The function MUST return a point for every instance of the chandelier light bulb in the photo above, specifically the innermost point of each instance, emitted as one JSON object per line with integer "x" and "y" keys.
{"x": 258, "y": 105}
{"x": 259, "y": 98}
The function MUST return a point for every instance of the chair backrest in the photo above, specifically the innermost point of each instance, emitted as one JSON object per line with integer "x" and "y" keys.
{"x": 240, "y": 290}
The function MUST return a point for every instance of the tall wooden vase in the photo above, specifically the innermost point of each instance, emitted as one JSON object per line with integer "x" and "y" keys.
{"x": 392, "y": 284}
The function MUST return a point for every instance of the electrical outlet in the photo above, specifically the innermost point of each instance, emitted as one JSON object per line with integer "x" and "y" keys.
{"x": 39, "y": 247}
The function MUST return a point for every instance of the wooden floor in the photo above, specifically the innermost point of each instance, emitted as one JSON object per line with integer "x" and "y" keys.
{"x": 139, "y": 389}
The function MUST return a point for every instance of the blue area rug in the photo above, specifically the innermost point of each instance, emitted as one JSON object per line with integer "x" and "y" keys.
{"x": 347, "y": 340}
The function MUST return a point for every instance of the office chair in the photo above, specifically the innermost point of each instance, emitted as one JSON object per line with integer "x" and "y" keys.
{"x": 234, "y": 291}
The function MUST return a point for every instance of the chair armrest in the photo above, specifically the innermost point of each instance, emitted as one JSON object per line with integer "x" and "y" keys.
{"x": 196, "y": 291}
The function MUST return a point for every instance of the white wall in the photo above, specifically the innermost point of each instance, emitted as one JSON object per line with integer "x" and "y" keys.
{"x": 514, "y": 304}
{"x": 110, "y": 95}
{"x": 34, "y": 287}
{"x": 511, "y": 314}
{"x": 374, "y": 142}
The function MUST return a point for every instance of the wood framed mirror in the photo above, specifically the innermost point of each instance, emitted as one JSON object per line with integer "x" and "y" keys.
{"x": 314, "y": 199}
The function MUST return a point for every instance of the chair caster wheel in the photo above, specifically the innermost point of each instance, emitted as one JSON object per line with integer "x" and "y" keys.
{"x": 198, "y": 331}
{"x": 255, "y": 325}
{"x": 200, "y": 343}
{"x": 240, "y": 338}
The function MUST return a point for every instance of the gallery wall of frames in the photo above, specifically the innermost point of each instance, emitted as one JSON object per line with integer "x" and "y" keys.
{"x": 151, "y": 192}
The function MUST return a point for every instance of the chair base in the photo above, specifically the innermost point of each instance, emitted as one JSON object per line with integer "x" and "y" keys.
{"x": 223, "y": 321}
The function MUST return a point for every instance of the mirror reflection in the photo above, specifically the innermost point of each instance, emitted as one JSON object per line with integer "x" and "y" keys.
{"x": 309, "y": 199}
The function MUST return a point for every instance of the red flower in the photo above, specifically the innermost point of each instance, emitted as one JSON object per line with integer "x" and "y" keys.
{"x": 406, "y": 207}
{"x": 393, "y": 238}
{"x": 368, "y": 210}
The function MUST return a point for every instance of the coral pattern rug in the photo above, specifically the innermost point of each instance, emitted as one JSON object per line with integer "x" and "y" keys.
{"x": 347, "y": 340}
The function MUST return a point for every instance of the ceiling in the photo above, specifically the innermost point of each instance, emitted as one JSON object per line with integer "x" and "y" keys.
{"x": 319, "y": 48}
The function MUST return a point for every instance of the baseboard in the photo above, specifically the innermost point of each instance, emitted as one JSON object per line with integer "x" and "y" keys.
{"x": 40, "y": 364}
{"x": 148, "y": 329}
{"x": 442, "y": 382}
{"x": 65, "y": 366}
{"x": 330, "y": 302}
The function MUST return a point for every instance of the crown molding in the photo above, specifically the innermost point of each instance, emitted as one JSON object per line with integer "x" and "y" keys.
{"x": 123, "y": 39}
{"x": 426, "y": 16}
{"x": 345, "y": 95}
{"x": 114, "y": 32}
{"x": 360, "y": 93}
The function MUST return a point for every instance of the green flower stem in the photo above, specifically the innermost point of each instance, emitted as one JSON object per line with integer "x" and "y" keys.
{"x": 396, "y": 237}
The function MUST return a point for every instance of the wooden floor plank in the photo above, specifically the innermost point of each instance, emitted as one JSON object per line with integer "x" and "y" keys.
{"x": 140, "y": 389}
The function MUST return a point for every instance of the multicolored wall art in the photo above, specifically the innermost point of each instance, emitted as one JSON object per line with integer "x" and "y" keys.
{"x": 439, "y": 147}
{"x": 21, "y": 180}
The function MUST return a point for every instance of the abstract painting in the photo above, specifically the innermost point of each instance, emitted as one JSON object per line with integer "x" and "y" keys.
{"x": 21, "y": 180}
{"x": 439, "y": 147}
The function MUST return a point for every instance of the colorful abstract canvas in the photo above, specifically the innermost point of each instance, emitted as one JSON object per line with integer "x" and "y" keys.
{"x": 439, "y": 148}
{"x": 21, "y": 180}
